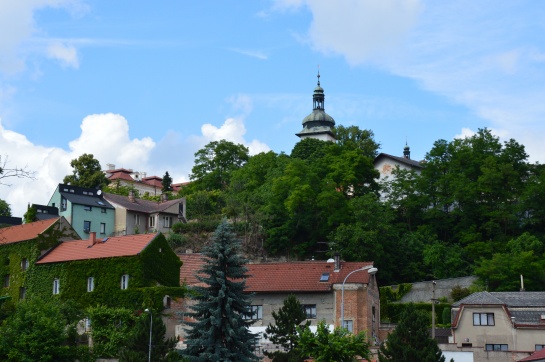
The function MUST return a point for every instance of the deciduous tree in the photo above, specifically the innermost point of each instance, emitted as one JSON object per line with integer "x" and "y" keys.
{"x": 86, "y": 173}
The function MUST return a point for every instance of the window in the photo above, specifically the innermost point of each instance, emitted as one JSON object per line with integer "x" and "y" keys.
{"x": 167, "y": 221}
{"x": 22, "y": 293}
{"x": 124, "y": 281}
{"x": 324, "y": 277}
{"x": 56, "y": 286}
{"x": 103, "y": 228}
{"x": 310, "y": 310}
{"x": 24, "y": 264}
{"x": 6, "y": 280}
{"x": 495, "y": 347}
{"x": 90, "y": 284}
{"x": 86, "y": 226}
{"x": 63, "y": 204}
{"x": 483, "y": 319}
{"x": 152, "y": 221}
{"x": 539, "y": 347}
{"x": 349, "y": 324}
{"x": 136, "y": 219}
{"x": 256, "y": 312}
{"x": 87, "y": 208}
{"x": 103, "y": 210}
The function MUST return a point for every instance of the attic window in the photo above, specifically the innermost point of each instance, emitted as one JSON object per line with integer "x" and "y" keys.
{"x": 324, "y": 277}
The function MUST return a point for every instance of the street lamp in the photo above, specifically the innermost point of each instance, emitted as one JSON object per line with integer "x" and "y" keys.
{"x": 370, "y": 269}
{"x": 150, "y": 329}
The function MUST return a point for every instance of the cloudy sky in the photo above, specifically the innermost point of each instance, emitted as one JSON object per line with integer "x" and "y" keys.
{"x": 144, "y": 84}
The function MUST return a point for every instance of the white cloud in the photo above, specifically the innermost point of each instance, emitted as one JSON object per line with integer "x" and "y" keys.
{"x": 65, "y": 53}
{"x": 232, "y": 130}
{"x": 251, "y": 53}
{"x": 18, "y": 27}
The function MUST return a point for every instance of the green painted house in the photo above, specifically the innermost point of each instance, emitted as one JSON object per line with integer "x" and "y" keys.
{"x": 85, "y": 209}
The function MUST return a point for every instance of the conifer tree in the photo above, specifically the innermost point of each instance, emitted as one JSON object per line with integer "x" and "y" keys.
{"x": 166, "y": 183}
{"x": 284, "y": 332}
{"x": 411, "y": 341}
{"x": 221, "y": 331}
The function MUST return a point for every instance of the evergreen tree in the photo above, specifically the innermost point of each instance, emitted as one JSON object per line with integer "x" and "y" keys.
{"x": 167, "y": 183}
{"x": 137, "y": 348}
{"x": 284, "y": 332}
{"x": 221, "y": 331}
{"x": 411, "y": 341}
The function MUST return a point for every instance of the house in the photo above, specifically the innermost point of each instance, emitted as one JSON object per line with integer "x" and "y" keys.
{"x": 503, "y": 324}
{"x": 385, "y": 164}
{"x": 22, "y": 245}
{"x": 318, "y": 285}
{"x": 150, "y": 185}
{"x": 134, "y": 215}
{"x": 318, "y": 124}
{"x": 44, "y": 212}
{"x": 85, "y": 209}
{"x": 10, "y": 220}
{"x": 123, "y": 271}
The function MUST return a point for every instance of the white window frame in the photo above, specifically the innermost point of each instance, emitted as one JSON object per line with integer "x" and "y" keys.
{"x": 152, "y": 221}
{"x": 103, "y": 228}
{"x": 167, "y": 221}
{"x": 483, "y": 319}
{"x": 90, "y": 284}
{"x": 349, "y": 325}
{"x": 124, "y": 281}
{"x": 56, "y": 286}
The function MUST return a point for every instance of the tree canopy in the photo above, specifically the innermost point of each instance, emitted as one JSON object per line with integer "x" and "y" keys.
{"x": 86, "y": 172}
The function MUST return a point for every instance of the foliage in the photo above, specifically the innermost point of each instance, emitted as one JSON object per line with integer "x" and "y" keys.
{"x": 137, "y": 347}
{"x": 458, "y": 293}
{"x": 13, "y": 172}
{"x": 220, "y": 332}
{"x": 410, "y": 341}
{"x": 86, "y": 172}
{"x": 30, "y": 214}
{"x": 354, "y": 138}
{"x": 166, "y": 183}
{"x": 40, "y": 331}
{"x": 123, "y": 190}
{"x": 110, "y": 328}
{"x": 392, "y": 312}
{"x": 284, "y": 331}
{"x": 5, "y": 209}
{"x": 215, "y": 162}
{"x": 309, "y": 149}
{"x": 338, "y": 345}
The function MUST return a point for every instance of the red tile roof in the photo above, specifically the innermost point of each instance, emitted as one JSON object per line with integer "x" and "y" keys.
{"x": 24, "y": 232}
{"x": 118, "y": 246}
{"x": 153, "y": 181}
{"x": 537, "y": 356}
{"x": 284, "y": 277}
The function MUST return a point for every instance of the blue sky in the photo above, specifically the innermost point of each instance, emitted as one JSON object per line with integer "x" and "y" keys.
{"x": 144, "y": 85}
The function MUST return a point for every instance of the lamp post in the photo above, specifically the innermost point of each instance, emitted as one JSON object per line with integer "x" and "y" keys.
{"x": 150, "y": 329}
{"x": 433, "y": 301}
{"x": 370, "y": 269}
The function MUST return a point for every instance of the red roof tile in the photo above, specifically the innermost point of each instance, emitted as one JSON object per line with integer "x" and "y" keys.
{"x": 24, "y": 232}
{"x": 537, "y": 356}
{"x": 118, "y": 246}
{"x": 284, "y": 277}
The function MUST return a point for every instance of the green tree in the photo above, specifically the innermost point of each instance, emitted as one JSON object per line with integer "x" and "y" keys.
{"x": 352, "y": 137}
{"x": 309, "y": 149}
{"x": 30, "y": 214}
{"x": 137, "y": 347}
{"x": 221, "y": 332}
{"x": 215, "y": 162}
{"x": 410, "y": 341}
{"x": 167, "y": 183}
{"x": 40, "y": 331}
{"x": 284, "y": 331}
{"x": 5, "y": 209}
{"x": 338, "y": 345}
{"x": 110, "y": 329}
{"x": 86, "y": 172}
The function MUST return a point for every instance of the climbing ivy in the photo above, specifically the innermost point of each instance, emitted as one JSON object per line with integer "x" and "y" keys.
{"x": 153, "y": 274}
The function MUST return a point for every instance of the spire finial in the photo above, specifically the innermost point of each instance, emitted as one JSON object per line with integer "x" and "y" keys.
{"x": 318, "y": 74}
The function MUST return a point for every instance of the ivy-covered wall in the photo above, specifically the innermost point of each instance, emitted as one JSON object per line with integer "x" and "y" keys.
{"x": 154, "y": 273}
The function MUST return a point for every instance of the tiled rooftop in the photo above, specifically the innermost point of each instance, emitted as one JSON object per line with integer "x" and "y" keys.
{"x": 511, "y": 299}
{"x": 118, "y": 246}
{"x": 404, "y": 160}
{"x": 284, "y": 277}
{"x": 140, "y": 205}
{"x": 24, "y": 232}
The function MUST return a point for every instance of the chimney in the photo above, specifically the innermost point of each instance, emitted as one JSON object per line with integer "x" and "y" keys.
{"x": 337, "y": 262}
{"x": 131, "y": 195}
{"x": 93, "y": 237}
{"x": 164, "y": 197}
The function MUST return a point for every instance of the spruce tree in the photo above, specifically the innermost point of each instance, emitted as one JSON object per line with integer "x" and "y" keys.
{"x": 284, "y": 332}
{"x": 411, "y": 340}
{"x": 220, "y": 331}
{"x": 166, "y": 183}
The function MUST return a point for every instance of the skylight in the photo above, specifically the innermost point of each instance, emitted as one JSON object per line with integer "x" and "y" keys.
{"x": 324, "y": 277}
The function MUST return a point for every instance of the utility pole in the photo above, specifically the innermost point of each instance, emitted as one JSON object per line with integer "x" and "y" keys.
{"x": 433, "y": 310}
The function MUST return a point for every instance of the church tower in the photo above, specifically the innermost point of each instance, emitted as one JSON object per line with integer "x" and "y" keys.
{"x": 318, "y": 124}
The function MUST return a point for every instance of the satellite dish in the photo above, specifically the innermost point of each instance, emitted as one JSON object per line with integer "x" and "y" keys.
{"x": 99, "y": 192}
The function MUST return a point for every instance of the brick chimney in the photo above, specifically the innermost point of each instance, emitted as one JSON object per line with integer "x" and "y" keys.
{"x": 337, "y": 262}
{"x": 93, "y": 237}
{"x": 131, "y": 196}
